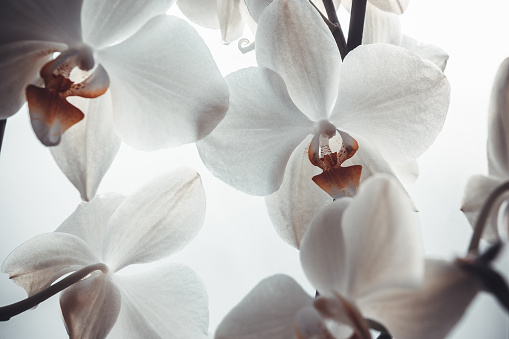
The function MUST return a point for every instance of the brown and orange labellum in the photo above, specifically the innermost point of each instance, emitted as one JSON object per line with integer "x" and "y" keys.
{"x": 336, "y": 180}
{"x": 50, "y": 112}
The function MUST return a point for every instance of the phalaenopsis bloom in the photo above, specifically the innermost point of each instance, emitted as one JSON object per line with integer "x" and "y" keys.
{"x": 160, "y": 86}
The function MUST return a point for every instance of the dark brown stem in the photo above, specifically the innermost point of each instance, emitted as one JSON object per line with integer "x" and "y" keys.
{"x": 483, "y": 216}
{"x": 331, "y": 11}
{"x": 3, "y": 122}
{"x": 336, "y": 31}
{"x": 9, "y": 311}
{"x": 356, "y": 24}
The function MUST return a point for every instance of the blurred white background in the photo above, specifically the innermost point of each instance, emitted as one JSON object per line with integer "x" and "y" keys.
{"x": 237, "y": 246}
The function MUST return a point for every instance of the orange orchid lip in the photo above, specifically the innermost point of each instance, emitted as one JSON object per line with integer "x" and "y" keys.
{"x": 50, "y": 112}
{"x": 336, "y": 180}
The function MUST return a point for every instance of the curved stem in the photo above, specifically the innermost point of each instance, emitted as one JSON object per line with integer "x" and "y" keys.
{"x": 336, "y": 31}
{"x": 483, "y": 216}
{"x": 9, "y": 311}
{"x": 3, "y": 122}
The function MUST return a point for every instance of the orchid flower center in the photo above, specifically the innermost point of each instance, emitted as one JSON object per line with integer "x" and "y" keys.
{"x": 50, "y": 112}
{"x": 329, "y": 148}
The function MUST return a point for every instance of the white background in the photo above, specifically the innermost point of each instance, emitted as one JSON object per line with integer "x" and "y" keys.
{"x": 237, "y": 246}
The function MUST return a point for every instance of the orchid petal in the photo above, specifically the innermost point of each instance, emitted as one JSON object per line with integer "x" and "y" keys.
{"x": 477, "y": 190}
{"x": 87, "y": 149}
{"x": 201, "y": 12}
{"x": 34, "y": 264}
{"x": 20, "y": 63}
{"x": 256, "y": 7}
{"x": 172, "y": 95}
{"x": 498, "y": 124}
{"x": 426, "y": 51}
{"x": 381, "y": 27}
{"x": 109, "y": 22}
{"x": 90, "y": 307}
{"x": 268, "y": 311}
{"x": 394, "y": 6}
{"x": 50, "y": 20}
{"x": 310, "y": 325}
{"x": 402, "y": 110}
{"x": 293, "y": 206}
{"x": 429, "y": 312}
{"x": 407, "y": 172}
{"x": 89, "y": 220}
{"x": 323, "y": 249}
{"x": 167, "y": 302}
{"x": 382, "y": 238}
{"x": 230, "y": 19}
{"x": 311, "y": 74}
{"x": 250, "y": 148}
{"x": 157, "y": 220}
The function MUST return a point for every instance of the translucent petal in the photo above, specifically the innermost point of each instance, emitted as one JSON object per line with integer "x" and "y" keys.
{"x": 381, "y": 27}
{"x": 167, "y": 302}
{"x": 49, "y": 20}
{"x": 165, "y": 86}
{"x": 201, "y": 12}
{"x": 20, "y": 63}
{"x": 268, "y": 311}
{"x": 90, "y": 307}
{"x": 109, "y": 22}
{"x": 293, "y": 206}
{"x": 34, "y": 264}
{"x": 426, "y": 51}
{"x": 393, "y": 98}
{"x": 250, "y": 148}
{"x": 88, "y": 148}
{"x": 90, "y": 219}
{"x": 311, "y": 74}
{"x": 157, "y": 220}
{"x": 394, "y": 6}
{"x": 430, "y": 312}
{"x": 230, "y": 19}
{"x": 498, "y": 124}
{"x": 477, "y": 190}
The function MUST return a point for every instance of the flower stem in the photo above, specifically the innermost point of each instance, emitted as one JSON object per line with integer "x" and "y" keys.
{"x": 356, "y": 24}
{"x": 9, "y": 311}
{"x": 483, "y": 216}
{"x": 3, "y": 122}
{"x": 331, "y": 11}
{"x": 334, "y": 27}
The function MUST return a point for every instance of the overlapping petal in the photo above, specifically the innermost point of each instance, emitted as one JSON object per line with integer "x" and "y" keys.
{"x": 20, "y": 63}
{"x": 385, "y": 88}
{"x": 478, "y": 188}
{"x": 168, "y": 302}
{"x": 90, "y": 220}
{"x": 34, "y": 264}
{"x": 50, "y": 20}
{"x": 381, "y": 27}
{"x": 108, "y": 22}
{"x": 426, "y": 51}
{"x": 293, "y": 206}
{"x": 230, "y": 19}
{"x": 157, "y": 220}
{"x": 429, "y": 312}
{"x": 250, "y": 148}
{"x": 201, "y": 12}
{"x": 88, "y": 148}
{"x": 165, "y": 86}
{"x": 90, "y": 307}
{"x": 498, "y": 124}
{"x": 268, "y": 311}
{"x": 394, "y": 6}
{"x": 311, "y": 74}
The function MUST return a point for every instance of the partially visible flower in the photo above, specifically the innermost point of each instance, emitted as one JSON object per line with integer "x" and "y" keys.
{"x": 158, "y": 95}
{"x": 479, "y": 187}
{"x": 154, "y": 222}
{"x": 384, "y": 27}
{"x": 381, "y": 105}
{"x": 364, "y": 258}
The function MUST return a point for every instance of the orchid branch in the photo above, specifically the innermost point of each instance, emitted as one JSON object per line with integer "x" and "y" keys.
{"x": 9, "y": 311}
{"x": 335, "y": 29}
{"x": 356, "y": 24}
{"x": 331, "y": 11}
{"x": 483, "y": 216}
{"x": 3, "y": 122}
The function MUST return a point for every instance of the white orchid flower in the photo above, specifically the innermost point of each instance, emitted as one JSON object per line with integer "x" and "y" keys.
{"x": 382, "y": 103}
{"x": 384, "y": 27}
{"x": 164, "y": 87}
{"x": 479, "y": 187}
{"x": 364, "y": 257}
{"x": 152, "y": 223}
